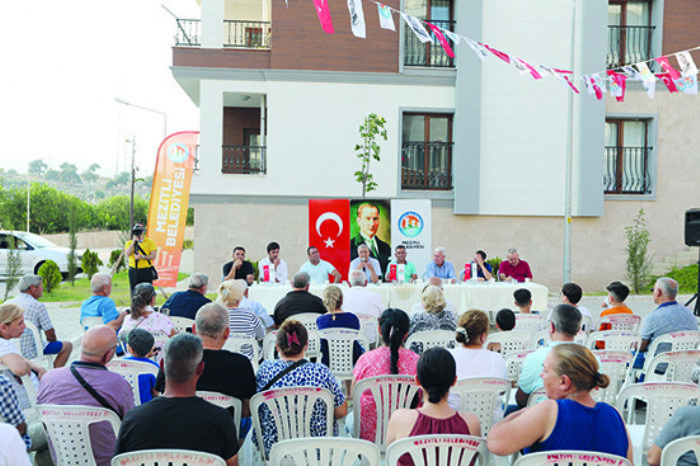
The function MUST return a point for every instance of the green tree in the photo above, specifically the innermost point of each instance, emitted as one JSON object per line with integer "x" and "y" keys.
{"x": 69, "y": 173}
{"x": 37, "y": 167}
{"x": 372, "y": 128}
{"x": 91, "y": 262}
{"x": 51, "y": 274}
{"x": 638, "y": 265}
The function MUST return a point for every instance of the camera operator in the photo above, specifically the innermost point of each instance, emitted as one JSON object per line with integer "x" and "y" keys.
{"x": 141, "y": 252}
{"x": 368, "y": 265}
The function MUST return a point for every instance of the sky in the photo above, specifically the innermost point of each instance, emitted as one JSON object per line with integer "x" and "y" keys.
{"x": 64, "y": 63}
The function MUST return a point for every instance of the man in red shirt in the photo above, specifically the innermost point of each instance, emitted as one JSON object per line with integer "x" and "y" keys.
{"x": 514, "y": 269}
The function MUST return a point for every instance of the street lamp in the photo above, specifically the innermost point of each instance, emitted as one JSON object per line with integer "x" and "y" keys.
{"x": 141, "y": 107}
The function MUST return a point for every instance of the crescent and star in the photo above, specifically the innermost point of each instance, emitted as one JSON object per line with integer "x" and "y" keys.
{"x": 333, "y": 217}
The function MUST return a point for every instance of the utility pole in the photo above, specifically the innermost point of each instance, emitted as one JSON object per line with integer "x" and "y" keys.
{"x": 133, "y": 180}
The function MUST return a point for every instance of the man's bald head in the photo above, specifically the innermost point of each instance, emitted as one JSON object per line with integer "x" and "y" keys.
{"x": 435, "y": 281}
{"x": 98, "y": 345}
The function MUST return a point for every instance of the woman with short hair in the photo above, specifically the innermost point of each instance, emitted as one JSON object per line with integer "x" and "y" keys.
{"x": 336, "y": 318}
{"x": 241, "y": 321}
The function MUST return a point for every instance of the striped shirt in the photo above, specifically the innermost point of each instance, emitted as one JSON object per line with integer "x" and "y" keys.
{"x": 245, "y": 322}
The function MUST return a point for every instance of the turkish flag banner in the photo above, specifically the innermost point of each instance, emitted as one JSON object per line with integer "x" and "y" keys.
{"x": 329, "y": 231}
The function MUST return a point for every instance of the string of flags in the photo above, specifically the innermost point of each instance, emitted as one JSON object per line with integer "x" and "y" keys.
{"x": 596, "y": 83}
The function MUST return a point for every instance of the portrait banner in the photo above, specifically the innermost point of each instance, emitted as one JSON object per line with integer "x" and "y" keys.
{"x": 170, "y": 197}
{"x": 370, "y": 224}
{"x": 411, "y": 226}
{"x": 329, "y": 231}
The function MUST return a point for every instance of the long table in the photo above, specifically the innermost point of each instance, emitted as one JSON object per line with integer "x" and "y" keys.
{"x": 487, "y": 296}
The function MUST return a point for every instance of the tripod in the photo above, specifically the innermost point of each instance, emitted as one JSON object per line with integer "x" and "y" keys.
{"x": 697, "y": 293}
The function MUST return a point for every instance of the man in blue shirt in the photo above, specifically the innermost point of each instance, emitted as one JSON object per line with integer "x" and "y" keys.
{"x": 100, "y": 304}
{"x": 439, "y": 267}
{"x": 187, "y": 303}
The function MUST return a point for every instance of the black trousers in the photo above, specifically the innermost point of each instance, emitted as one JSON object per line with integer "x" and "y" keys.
{"x": 137, "y": 276}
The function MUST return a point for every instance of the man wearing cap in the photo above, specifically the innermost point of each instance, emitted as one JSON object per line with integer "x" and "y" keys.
{"x": 141, "y": 252}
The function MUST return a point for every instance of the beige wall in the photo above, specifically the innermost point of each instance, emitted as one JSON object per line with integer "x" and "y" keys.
{"x": 100, "y": 239}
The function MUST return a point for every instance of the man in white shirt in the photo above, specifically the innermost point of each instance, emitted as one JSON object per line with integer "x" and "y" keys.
{"x": 317, "y": 268}
{"x": 367, "y": 265}
{"x": 360, "y": 300}
{"x": 276, "y": 267}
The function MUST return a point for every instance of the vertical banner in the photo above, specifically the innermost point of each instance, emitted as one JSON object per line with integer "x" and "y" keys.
{"x": 329, "y": 231}
{"x": 170, "y": 196}
{"x": 370, "y": 224}
{"x": 411, "y": 225}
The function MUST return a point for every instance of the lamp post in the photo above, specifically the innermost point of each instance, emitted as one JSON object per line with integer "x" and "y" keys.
{"x": 568, "y": 195}
{"x": 148, "y": 109}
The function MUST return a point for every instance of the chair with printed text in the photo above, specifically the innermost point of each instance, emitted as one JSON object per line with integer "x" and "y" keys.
{"x": 315, "y": 451}
{"x": 616, "y": 365}
{"x": 163, "y": 457}
{"x": 677, "y": 366}
{"x": 422, "y": 341}
{"x": 131, "y": 370}
{"x": 439, "y": 450}
{"x": 571, "y": 458}
{"x": 224, "y": 401}
{"x": 244, "y": 344}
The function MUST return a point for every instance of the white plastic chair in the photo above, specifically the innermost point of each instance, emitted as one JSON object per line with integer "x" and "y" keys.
{"x": 162, "y": 457}
{"x": 268, "y": 349}
{"x": 315, "y": 451}
{"x": 130, "y": 371}
{"x": 679, "y": 365}
{"x": 572, "y": 458}
{"x": 308, "y": 319}
{"x": 225, "y": 401}
{"x": 243, "y": 344}
{"x": 439, "y": 450}
{"x": 291, "y": 409}
{"x": 68, "y": 432}
{"x": 483, "y": 396}
{"x": 41, "y": 359}
{"x": 616, "y": 365}
{"x": 662, "y": 399}
{"x": 341, "y": 343}
{"x": 89, "y": 322}
{"x": 181, "y": 323}
{"x": 390, "y": 392}
{"x": 675, "y": 341}
{"x": 512, "y": 341}
{"x": 528, "y": 322}
{"x": 615, "y": 340}
{"x": 514, "y": 362}
{"x": 625, "y": 322}
{"x": 422, "y": 341}
{"x": 369, "y": 326}
{"x": 674, "y": 450}
{"x": 539, "y": 394}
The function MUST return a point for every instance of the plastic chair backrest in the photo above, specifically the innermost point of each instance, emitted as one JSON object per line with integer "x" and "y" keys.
{"x": 625, "y": 322}
{"x": 291, "y": 409}
{"x": 268, "y": 350}
{"x": 615, "y": 340}
{"x": 369, "y": 325}
{"x": 676, "y": 341}
{"x": 315, "y": 451}
{"x": 512, "y": 341}
{"x": 243, "y": 344}
{"x": 130, "y": 371}
{"x": 308, "y": 319}
{"x": 674, "y": 450}
{"x": 514, "y": 362}
{"x": 439, "y": 450}
{"x": 167, "y": 457}
{"x": 482, "y": 396}
{"x": 390, "y": 392}
{"x": 89, "y": 322}
{"x": 528, "y": 322}
{"x": 181, "y": 323}
{"x": 571, "y": 458}
{"x": 44, "y": 360}
{"x": 422, "y": 341}
{"x": 340, "y": 349}
{"x": 67, "y": 428}
{"x": 538, "y": 394}
{"x": 662, "y": 399}
{"x": 616, "y": 365}
{"x": 679, "y": 365}
{"x": 28, "y": 387}
{"x": 225, "y": 401}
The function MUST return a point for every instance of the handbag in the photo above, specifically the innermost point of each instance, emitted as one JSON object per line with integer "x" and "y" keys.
{"x": 154, "y": 272}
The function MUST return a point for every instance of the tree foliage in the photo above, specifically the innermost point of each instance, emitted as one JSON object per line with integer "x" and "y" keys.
{"x": 51, "y": 274}
{"x": 638, "y": 265}
{"x": 91, "y": 262}
{"x": 372, "y": 128}
{"x": 37, "y": 167}
{"x": 13, "y": 267}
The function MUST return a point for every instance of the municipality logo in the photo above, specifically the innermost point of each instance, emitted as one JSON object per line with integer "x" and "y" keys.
{"x": 178, "y": 152}
{"x": 411, "y": 224}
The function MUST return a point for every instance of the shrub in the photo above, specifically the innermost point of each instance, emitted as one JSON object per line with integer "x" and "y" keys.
{"x": 187, "y": 244}
{"x": 91, "y": 262}
{"x": 687, "y": 278}
{"x": 114, "y": 257}
{"x": 495, "y": 262}
{"x": 51, "y": 274}
{"x": 638, "y": 265}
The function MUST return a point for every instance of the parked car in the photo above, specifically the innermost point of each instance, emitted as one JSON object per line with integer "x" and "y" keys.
{"x": 34, "y": 251}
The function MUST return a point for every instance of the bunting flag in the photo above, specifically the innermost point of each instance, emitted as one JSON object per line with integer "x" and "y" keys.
{"x": 524, "y": 67}
{"x": 357, "y": 18}
{"x": 453, "y": 37}
{"x": 417, "y": 28}
{"x": 687, "y": 84}
{"x": 648, "y": 79}
{"x": 324, "y": 16}
{"x": 668, "y": 81}
{"x": 666, "y": 65}
{"x": 441, "y": 38}
{"x": 632, "y": 73}
{"x": 503, "y": 56}
{"x": 600, "y": 82}
{"x": 592, "y": 87}
{"x": 563, "y": 77}
{"x": 617, "y": 85}
{"x": 687, "y": 64}
{"x": 386, "y": 21}
{"x": 477, "y": 48}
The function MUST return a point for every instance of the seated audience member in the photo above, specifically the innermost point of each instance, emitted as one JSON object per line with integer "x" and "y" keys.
{"x": 505, "y": 320}
{"x": 33, "y": 437}
{"x": 12, "y": 448}
{"x": 359, "y": 300}
{"x": 449, "y": 304}
{"x": 410, "y": 274}
{"x": 318, "y": 269}
{"x": 240, "y": 321}
{"x": 258, "y": 309}
{"x": 298, "y": 301}
{"x": 684, "y": 423}
{"x": 62, "y": 387}
{"x": 615, "y": 301}
{"x": 143, "y": 316}
{"x": 570, "y": 419}
{"x": 179, "y": 419}
{"x": 471, "y": 358}
{"x": 276, "y": 267}
{"x": 439, "y": 267}
{"x": 523, "y": 301}
{"x": 31, "y": 288}
{"x": 514, "y": 269}
{"x": 390, "y": 358}
{"x": 571, "y": 293}
{"x": 435, "y": 316}
{"x": 436, "y": 374}
{"x": 141, "y": 348}
{"x": 100, "y": 304}
{"x": 336, "y": 318}
{"x": 14, "y": 365}
{"x": 367, "y": 265}
{"x": 292, "y": 343}
{"x": 483, "y": 268}
{"x": 187, "y": 303}
{"x": 239, "y": 268}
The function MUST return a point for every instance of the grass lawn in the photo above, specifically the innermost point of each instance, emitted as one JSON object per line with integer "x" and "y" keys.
{"x": 81, "y": 291}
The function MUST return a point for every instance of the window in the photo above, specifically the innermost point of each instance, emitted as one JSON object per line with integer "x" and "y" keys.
{"x": 627, "y": 152}
{"x": 439, "y": 13}
{"x": 426, "y": 153}
{"x": 242, "y": 150}
{"x": 629, "y": 32}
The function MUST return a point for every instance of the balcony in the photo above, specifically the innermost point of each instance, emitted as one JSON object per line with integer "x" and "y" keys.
{"x": 426, "y": 165}
{"x": 628, "y": 45}
{"x": 243, "y": 160}
{"x": 416, "y": 53}
{"x": 627, "y": 170}
{"x": 237, "y": 34}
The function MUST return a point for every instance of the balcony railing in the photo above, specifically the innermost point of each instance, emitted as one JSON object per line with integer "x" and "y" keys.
{"x": 240, "y": 34}
{"x": 416, "y": 53}
{"x": 628, "y": 45}
{"x": 627, "y": 170}
{"x": 244, "y": 160}
{"x": 426, "y": 165}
